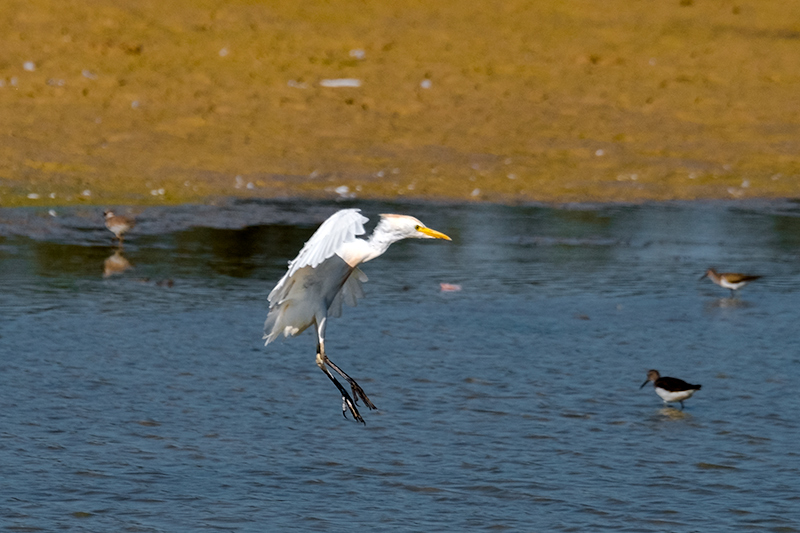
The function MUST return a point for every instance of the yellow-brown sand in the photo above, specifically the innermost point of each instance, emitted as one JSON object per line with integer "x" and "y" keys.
{"x": 555, "y": 101}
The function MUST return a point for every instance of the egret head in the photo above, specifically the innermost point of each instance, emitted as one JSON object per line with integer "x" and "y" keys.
{"x": 406, "y": 227}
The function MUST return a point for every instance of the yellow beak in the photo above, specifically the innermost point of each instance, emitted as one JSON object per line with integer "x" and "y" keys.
{"x": 433, "y": 233}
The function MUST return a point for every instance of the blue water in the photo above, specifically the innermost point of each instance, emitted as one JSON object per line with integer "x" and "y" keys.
{"x": 145, "y": 400}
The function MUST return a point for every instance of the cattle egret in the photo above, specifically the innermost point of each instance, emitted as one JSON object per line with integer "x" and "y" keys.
{"x": 325, "y": 274}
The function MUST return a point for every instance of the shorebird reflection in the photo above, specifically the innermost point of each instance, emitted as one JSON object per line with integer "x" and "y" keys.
{"x": 115, "y": 264}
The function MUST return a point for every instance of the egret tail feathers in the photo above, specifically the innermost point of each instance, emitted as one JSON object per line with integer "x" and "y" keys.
{"x": 283, "y": 318}
{"x": 290, "y": 318}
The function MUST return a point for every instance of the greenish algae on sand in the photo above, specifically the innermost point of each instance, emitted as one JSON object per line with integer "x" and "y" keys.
{"x": 557, "y": 101}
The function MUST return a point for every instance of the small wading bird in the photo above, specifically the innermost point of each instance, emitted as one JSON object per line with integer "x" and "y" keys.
{"x": 325, "y": 273}
{"x": 118, "y": 224}
{"x": 729, "y": 280}
{"x": 670, "y": 389}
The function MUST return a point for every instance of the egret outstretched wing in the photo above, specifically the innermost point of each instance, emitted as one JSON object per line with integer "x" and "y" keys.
{"x": 343, "y": 226}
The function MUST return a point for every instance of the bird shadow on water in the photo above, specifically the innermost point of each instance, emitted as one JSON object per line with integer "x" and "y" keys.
{"x": 674, "y": 413}
{"x": 731, "y": 302}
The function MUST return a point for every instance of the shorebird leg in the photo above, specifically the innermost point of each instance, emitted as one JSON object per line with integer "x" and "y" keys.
{"x": 347, "y": 400}
{"x": 681, "y": 404}
{"x": 358, "y": 392}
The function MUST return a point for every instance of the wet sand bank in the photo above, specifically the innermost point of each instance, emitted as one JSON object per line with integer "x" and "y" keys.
{"x": 147, "y": 103}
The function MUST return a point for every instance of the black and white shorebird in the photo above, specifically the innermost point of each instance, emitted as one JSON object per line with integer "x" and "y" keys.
{"x": 729, "y": 280}
{"x": 670, "y": 389}
{"x": 118, "y": 224}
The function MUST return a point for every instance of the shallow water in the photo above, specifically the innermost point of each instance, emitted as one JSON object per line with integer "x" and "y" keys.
{"x": 145, "y": 400}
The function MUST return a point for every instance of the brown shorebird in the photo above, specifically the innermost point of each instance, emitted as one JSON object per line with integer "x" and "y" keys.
{"x": 670, "y": 389}
{"x": 118, "y": 224}
{"x": 729, "y": 280}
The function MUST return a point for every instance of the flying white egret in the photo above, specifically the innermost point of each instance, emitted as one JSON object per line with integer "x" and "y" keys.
{"x": 325, "y": 273}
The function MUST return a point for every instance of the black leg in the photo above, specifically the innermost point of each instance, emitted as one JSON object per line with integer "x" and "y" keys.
{"x": 358, "y": 392}
{"x": 347, "y": 401}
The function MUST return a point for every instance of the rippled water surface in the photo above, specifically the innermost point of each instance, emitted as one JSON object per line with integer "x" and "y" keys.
{"x": 144, "y": 400}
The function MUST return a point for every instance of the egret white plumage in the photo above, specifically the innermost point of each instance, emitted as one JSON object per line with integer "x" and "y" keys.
{"x": 325, "y": 273}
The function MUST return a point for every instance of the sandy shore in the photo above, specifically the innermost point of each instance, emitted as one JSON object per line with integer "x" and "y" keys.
{"x": 142, "y": 102}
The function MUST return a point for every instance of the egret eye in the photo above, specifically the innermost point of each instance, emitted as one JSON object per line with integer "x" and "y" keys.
{"x": 417, "y": 227}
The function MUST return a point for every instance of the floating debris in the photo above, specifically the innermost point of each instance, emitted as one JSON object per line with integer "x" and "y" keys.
{"x": 297, "y": 84}
{"x": 340, "y": 82}
{"x": 358, "y": 53}
{"x": 88, "y": 74}
{"x": 52, "y": 213}
{"x": 449, "y": 287}
{"x": 600, "y": 152}
{"x": 344, "y": 192}
{"x": 426, "y": 84}
{"x": 86, "y": 193}
{"x": 29, "y": 66}
{"x": 223, "y": 52}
